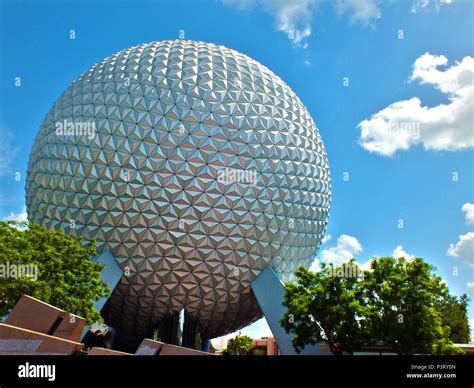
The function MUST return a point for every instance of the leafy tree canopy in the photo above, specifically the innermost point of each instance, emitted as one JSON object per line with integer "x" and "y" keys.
{"x": 400, "y": 304}
{"x": 241, "y": 345}
{"x": 324, "y": 307}
{"x": 50, "y": 266}
{"x": 454, "y": 315}
{"x": 403, "y": 299}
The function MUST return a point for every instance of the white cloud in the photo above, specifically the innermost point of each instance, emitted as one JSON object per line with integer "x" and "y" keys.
{"x": 359, "y": 11}
{"x": 326, "y": 239}
{"x": 294, "y": 17}
{"x": 464, "y": 248}
{"x": 468, "y": 208}
{"x": 22, "y": 216}
{"x": 400, "y": 252}
{"x": 406, "y": 123}
{"x": 419, "y": 5}
{"x": 397, "y": 253}
{"x": 366, "y": 266}
{"x": 315, "y": 267}
{"x": 347, "y": 247}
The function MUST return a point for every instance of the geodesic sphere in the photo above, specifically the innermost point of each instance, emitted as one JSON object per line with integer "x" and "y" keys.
{"x": 196, "y": 166}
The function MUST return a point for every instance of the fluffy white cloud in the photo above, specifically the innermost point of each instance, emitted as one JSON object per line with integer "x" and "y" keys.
{"x": 464, "y": 248}
{"x": 315, "y": 267}
{"x": 470, "y": 287}
{"x": 346, "y": 248}
{"x": 397, "y": 252}
{"x": 400, "y": 252}
{"x": 326, "y": 239}
{"x": 359, "y": 11}
{"x": 366, "y": 266}
{"x": 22, "y": 216}
{"x": 294, "y": 17}
{"x": 406, "y": 123}
{"x": 468, "y": 208}
{"x": 419, "y": 5}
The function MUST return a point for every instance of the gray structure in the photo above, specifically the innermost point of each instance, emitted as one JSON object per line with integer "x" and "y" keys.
{"x": 197, "y": 167}
{"x": 269, "y": 291}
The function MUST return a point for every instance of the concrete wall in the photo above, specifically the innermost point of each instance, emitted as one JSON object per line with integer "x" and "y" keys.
{"x": 32, "y": 314}
{"x": 18, "y": 341}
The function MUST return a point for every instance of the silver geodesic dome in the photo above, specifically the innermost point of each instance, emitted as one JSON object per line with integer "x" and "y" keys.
{"x": 196, "y": 166}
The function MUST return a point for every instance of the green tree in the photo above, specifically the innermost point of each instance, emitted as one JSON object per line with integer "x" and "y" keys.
{"x": 402, "y": 299}
{"x": 66, "y": 277}
{"x": 454, "y": 315}
{"x": 325, "y": 307}
{"x": 396, "y": 303}
{"x": 241, "y": 345}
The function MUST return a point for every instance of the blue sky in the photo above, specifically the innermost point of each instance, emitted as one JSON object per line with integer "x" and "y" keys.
{"x": 389, "y": 84}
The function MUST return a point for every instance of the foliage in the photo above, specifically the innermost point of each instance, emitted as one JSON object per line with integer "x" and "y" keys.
{"x": 66, "y": 278}
{"x": 324, "y": 307}
{"x": 241, "y": 345}
{"x": 454, "y": 315}
{"x": 397, "y": 303}
{"x": 403, "y": 298}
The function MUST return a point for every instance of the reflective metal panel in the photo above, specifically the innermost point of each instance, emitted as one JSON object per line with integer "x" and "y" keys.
{"x": 196, "y": 166}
